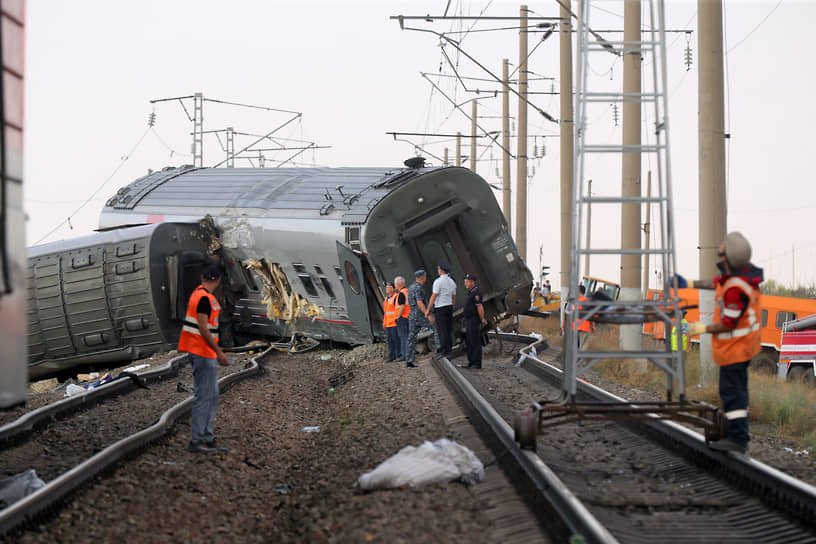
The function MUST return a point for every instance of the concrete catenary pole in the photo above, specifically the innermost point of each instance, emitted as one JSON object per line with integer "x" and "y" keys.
{"x": 567, "y": 128}
{"x": 473, "y": 112}
{"x": 506, "y": 144}
{"x": 630, "y": 337}
{"x": 521, "y": 155}
{"x": 445, "y": 161}
{"x": 458, "y": 149}
{"x": 712, "y": 203}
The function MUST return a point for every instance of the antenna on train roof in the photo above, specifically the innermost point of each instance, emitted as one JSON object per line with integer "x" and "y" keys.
{"x": 415, "y": 162}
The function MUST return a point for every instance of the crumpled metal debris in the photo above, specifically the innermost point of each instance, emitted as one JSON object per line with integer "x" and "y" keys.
{"x": 282, "y": 302}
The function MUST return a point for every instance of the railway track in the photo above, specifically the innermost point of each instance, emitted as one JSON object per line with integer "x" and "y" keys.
{"x": 638, "y": 482}
{"x": 72, "y": 441}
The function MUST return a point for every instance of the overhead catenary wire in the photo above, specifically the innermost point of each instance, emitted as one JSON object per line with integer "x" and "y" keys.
{"x": 124, "y": 159}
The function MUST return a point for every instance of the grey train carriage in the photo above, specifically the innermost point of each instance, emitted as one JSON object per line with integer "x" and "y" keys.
{"x": 112, "y": 296}
{"x": 337, "y": 234}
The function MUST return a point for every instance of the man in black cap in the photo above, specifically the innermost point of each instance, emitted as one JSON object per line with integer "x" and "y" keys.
{"x": 417, "y": 317}
{"x": 443, "y": 299}
{"x": 474, "y": 321}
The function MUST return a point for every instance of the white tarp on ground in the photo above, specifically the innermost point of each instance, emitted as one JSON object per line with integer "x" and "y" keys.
{"x": 432, "y": 462}
{"x": 18, "y": 486}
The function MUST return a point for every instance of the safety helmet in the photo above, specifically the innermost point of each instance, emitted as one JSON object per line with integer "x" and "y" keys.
{"x": 737, "y": 250}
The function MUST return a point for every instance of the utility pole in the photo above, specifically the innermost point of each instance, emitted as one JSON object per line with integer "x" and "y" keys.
{"x": 588, "y": 226}
{"x": 198, "y": 130}
{"x": 567, "y": 142}
{"x": 506, "y": 144}
{"x": 458, "y": 148}
{"x": 473, "y": 112}
{"x": 630, "y": 337}
{"x": 521, "y": 162}
{"x": 445, "y": 158}
{"x": 230, "y": 148}
{"x": 712, "y": 203}
{"x": 646, "y": 229}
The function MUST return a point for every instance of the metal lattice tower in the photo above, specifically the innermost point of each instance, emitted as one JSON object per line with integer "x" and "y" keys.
{"x": 230, "y": 148}
{"x": 198, "y": 130}
{"x": 666, "y": 308}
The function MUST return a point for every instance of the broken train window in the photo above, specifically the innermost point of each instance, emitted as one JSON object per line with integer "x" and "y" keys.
{"x": 306, "y": 279}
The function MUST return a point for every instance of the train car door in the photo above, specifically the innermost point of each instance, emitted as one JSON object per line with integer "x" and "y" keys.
{"x": 355, "y": 290}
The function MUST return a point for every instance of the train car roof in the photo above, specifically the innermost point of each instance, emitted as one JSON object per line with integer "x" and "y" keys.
{"x": 99, "y": 238}
{"x": 345, "y": 193}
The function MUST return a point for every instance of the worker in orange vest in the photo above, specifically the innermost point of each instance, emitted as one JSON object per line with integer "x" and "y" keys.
{"x": 390, "y": 323}
{"x": 403, "y": 310}
{"x": 584, "y": 326}
{"x": 199, "y": 338}
{"x": 736, "y": 334}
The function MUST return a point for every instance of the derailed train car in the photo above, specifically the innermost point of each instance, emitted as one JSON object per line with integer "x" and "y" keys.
{"x": 307, "y": 250}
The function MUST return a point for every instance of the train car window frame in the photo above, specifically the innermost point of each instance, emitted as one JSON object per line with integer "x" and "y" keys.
{"x": 339, "y": 272}
{"x": 324, "y": 281}
{"x": 764, "y": 318}
{"x": 783, "y": 317}
{"x": 352, "y": 278}
{"x": 353, "y": 238}
{"x": 248, "y": 278}
{"x": 306, "y": 280}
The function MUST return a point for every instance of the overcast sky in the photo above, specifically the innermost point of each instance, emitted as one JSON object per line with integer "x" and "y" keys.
{"x": 93, "y": 66}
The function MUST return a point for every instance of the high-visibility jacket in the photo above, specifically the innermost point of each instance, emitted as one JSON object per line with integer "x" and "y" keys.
{"x": 743, "y": 342}
{"x": 583, "y": 324}
{"x": 390, "y": 312}
{"x": 684, "y": 327}
{"x": 407, "y": 310}
{"x": 191, "y": 340}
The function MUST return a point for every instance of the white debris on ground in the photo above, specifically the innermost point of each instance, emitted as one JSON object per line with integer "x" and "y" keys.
{"x": 432, "y": 462}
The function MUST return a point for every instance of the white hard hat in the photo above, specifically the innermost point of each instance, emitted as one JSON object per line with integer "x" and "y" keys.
{"x": 737, "y": 250}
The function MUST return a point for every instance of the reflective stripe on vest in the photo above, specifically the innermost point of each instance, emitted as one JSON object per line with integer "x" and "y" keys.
{"x": 407, "y": 310}
{"x": 190, "y": 339}
{"x": 390, "y": 312}
{"x": 743, "y": 342}
{"x": 683, "y": 334}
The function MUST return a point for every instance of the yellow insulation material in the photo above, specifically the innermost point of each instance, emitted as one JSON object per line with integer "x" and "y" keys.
{"x": 282, "y": 303}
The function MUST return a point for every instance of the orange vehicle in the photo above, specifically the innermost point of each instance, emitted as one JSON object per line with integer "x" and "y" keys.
{"x": 776, "y": 311}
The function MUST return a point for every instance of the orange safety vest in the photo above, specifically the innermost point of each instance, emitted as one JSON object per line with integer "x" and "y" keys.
{"x": 390, "y": 312}
{"x": 191, "y": 340}
{"x": 407, "y": 310}
{"x": 583, "y": 324}
{"x": 743, "y": 342}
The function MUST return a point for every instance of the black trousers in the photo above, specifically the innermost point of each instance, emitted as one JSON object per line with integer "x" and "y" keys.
{"x": 734, "y": 396}
{"x": 473, "y": 339}
{"x": 444, "y": 326}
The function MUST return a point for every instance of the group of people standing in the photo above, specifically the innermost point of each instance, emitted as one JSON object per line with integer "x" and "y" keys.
{"x": 406, "y": 311}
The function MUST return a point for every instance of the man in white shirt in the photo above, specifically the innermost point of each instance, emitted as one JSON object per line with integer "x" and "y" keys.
{"x": 442, "y": 301}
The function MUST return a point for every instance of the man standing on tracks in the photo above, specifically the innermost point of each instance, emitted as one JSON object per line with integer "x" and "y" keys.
{"x": 402, "y": 311}
{"x": 736, "y": 334}
{"x": 418, "y": 316}
{"x": 390, "y": 324}
{"x": 199, "y": 338}
{"x": 583, "y": 326}
{"x": 443, "y": 299}
{"x": 474, "y": 321}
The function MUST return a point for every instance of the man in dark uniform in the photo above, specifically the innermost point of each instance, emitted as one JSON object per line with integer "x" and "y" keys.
{"x": 474, "y": 320}
{"x": 416, "y": 319}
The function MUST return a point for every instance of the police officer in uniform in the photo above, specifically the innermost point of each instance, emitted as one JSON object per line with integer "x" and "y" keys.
{"x": 474, "y": 321}
{"x": 416, "y": 317}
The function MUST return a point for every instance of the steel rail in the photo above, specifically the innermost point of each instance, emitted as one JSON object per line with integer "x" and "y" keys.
{"x": 53, "y": 492}
{"x": 774, "y": 488}
{"x": 12, "y": 432}
{"x": 566, "y": 515}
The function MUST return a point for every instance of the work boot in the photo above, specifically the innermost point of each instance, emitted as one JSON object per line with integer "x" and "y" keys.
{"x": 214, "y": 446}
{"x": 726, "y": 444}
{"x": 409, "y": 364}
{"x": 200, "y": 447}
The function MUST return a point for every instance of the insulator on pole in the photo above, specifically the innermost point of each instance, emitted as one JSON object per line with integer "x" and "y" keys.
{"x": 151, "y": 119}
{"x": 688, "y": 55}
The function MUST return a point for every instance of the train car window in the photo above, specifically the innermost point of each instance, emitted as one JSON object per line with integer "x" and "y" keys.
{"x": 353, "y": 238}
{"x": 764, "y": 318}
{"x": 339, "y": 272}
{"x": 324, "y": 281}
{"x": 306, "y": 280}
{"x": 783, "y": 317}
{"x": 248, "y": 277}
{"x": 352, "y": 278}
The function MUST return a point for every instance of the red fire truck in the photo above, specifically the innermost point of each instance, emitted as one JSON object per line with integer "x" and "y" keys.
{"x": 797, "y": 356}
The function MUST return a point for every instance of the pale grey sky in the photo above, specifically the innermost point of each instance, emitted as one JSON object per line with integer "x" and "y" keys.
{"x": 94, "y": 65}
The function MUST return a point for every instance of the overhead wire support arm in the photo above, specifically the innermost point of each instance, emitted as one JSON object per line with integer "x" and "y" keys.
{"x": 265, "y": 136}
{"x": 455, "y": 44}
